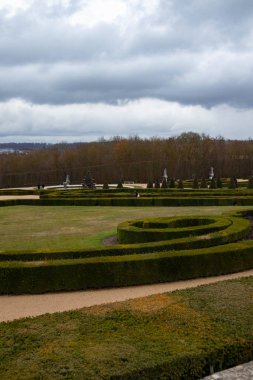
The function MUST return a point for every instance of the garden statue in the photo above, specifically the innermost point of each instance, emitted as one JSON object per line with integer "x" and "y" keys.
{"x": 211, "y": 174}
{"x": 66, "y": 183}
{"x": 165, "y": 175}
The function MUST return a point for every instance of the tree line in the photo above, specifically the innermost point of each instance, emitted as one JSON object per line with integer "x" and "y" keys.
{"x": 129, "y": 159}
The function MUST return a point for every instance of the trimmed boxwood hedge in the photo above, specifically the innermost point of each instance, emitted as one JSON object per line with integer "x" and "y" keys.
{"x": 130, "y": 201}
{"x": 148, "y": 197}
{"x": 156, "y": 229}
{"x": 178, "y": 259}
{"x": 113, "y": 271}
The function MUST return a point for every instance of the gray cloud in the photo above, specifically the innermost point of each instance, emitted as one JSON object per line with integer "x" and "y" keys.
{"x": 201, "y": 78}
{"x": 190, "y": 52}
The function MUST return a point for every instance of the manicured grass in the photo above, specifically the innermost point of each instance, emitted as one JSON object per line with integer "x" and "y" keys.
{"x": 181, "y": 335}
{"x": 57, "y": 227}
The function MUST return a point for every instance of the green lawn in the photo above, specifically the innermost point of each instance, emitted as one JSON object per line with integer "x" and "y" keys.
{"x": 71, "y": 227}
{"x": 174, "y": 336}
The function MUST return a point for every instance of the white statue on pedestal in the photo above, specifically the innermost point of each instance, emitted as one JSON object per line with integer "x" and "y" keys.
{"x": 211, "y": 174}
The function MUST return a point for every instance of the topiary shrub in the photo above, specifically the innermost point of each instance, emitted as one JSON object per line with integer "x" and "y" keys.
{"x": 164, "y": 184}
{"x": 219, "y": 183}
{"x": 250, "y": 182}
{"x": 232, "y": 183}
{"x": 180, "y": 184}
{"x": 213, "y": 184}
{"x": 150, "y": 185}
{"x": 203, "y": 183}
{"x": 88, "y": 182}
{"x": 157, "y": 184}
{"x": 195, "y": 183}
{"x": 172, "y": 183}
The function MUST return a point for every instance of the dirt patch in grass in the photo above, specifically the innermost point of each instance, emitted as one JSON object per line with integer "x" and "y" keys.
{"x": 112, "y": 240}
{"x": 147, "y": 305}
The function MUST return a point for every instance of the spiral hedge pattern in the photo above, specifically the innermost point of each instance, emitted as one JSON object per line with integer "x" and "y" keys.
{"x": 157, "y": 229}
{"x": 151, "y": 250}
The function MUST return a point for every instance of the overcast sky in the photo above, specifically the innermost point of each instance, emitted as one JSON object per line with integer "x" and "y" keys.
{"x": 79, "y": 70}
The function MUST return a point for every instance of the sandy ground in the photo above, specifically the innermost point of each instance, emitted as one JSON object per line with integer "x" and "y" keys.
{"x": 14, "y": 307}
{"x": 4, "y": 197}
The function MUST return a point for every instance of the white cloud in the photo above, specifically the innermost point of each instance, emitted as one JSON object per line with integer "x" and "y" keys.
{"x": 122, "y": 12}
{"x": 23, "y": 121}
{"x": 98, "y": 11}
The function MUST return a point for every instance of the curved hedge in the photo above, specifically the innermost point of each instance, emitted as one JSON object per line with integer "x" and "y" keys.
{"x": 155, "y": 229}
{"x": 219, "y": 251}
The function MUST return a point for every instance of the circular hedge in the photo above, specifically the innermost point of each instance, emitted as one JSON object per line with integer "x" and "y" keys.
{"x": 157, "y": 229}
{"x": 153, "y": 250}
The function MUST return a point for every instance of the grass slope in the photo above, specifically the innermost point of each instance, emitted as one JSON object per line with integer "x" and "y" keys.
{"x": 181, "y": 335}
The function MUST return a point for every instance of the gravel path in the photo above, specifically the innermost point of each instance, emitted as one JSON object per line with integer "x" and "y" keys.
{"x": 6, "y": 197}
{"x": 14, "y": 307}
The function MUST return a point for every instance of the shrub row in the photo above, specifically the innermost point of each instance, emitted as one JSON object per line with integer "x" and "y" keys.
{"x": 162, "y": 201}
{"x": 188, "y": 366}
{"x": 117, "y": 271}
{"x": 17, "y": 192}
{"x": 144, "y": 192}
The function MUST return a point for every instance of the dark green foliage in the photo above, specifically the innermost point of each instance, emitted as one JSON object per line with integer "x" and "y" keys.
{"x": 232, "y": 183}
{"x": 158, "y": 229}
{"x": 180, "y": 184}
{"x": 113, "y": 197}
{"x": 213, "y": 184}
{"x": 203, "y": 183}
{"x": 105, "y": 186}
{"x": 219, "y": 183}
{"x": 172, "y": 183}
{"x": 157, "y": 184}
{"x": 88, "y": 182}
{"x": 150, "y": 185}
{"x": 195, "y": 183}
{"x": 250, "y": 182}
{"x": 19, "y": 192}
{"x": 164, "y": 184}
{"x": 120, "y": 185}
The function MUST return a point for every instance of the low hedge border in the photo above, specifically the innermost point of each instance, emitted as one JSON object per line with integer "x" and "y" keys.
{"x": 118, "y": 271}
{"x": 142, "y": 201}
{"x": 64, "y": 193}
{"x": 132, "y": 268}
